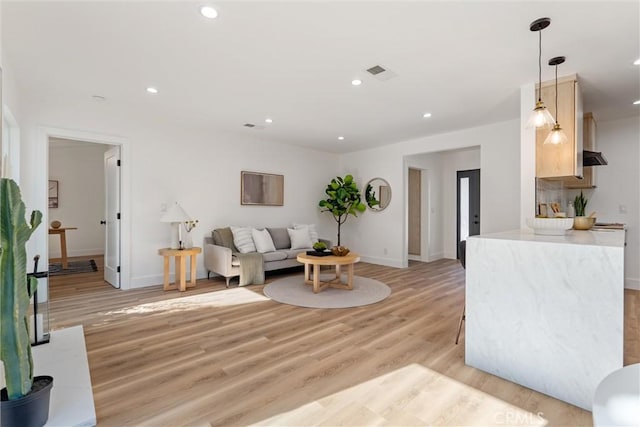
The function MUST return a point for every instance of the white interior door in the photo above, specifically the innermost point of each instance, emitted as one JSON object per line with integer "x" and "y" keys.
{"x": 112, "y": 216}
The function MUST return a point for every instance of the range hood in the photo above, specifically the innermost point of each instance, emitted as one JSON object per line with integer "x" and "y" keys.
{"x": 593, "y": 158}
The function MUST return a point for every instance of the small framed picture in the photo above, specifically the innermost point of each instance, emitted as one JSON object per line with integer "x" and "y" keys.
{"x": 53, "y": 194}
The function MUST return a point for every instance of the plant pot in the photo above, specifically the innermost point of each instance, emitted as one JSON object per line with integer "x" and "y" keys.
{"x": 583, "y": 222}
{"x": 31, "y": 410}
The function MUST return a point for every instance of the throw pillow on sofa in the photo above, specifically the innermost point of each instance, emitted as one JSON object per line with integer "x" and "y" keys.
{"x": 262, "y": 240}
{"x": 243, "y": 239}
{"x": 280, "y": 237}
{"x": 313, "y": 232}
{"x": 299, "y": 238}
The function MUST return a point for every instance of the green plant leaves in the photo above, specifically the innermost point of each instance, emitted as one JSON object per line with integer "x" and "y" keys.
{"x": 580, "y": 204}
{"x": 343, "y": 199}
{"x": 15, "y": 289}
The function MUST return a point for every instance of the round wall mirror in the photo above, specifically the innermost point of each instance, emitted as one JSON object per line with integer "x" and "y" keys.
{"x": 377, "y": 194}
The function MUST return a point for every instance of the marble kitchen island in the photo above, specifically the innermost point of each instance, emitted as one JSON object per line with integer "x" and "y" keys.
{"x": 546, "y": 312}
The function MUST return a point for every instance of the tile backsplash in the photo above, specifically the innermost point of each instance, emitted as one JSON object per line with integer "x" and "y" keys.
{"x": 547, "y": 192}
{"x": 553, "y": 191}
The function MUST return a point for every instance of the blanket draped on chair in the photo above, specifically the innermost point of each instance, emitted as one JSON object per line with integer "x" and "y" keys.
{"x": 251, "y": 264}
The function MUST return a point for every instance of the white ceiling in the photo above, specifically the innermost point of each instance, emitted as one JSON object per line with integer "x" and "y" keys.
{"x": 463, "y": 61}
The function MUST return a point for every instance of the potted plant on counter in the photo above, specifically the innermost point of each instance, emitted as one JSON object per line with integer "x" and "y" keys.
{"x": 582, "y": 222}
{"x": 343, "y": 199}
{"x": 25, "y": 400}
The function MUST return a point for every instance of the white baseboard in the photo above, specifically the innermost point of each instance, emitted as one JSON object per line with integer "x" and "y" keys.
{"x": 448, "y": 255}
{"x": 632, "y": 283}
{"x": 78, "y": 252}
{"x": 158, "y": 279}
{"x": 436, "y": 256}
{"x": 382, "y": 261}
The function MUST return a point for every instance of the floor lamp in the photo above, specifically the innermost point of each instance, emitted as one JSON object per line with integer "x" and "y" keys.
{"x": 176, "y": 216}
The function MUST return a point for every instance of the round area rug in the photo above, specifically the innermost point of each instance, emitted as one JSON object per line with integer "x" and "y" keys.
{"x": 292, "y": 290}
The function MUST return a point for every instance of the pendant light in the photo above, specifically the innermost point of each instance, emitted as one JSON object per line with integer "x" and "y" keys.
{"x": 540, "y": 116}
{"x": 557, "y": 135}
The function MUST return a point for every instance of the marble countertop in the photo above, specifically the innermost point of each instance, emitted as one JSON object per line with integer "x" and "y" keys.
{"x": 612, "y": 238}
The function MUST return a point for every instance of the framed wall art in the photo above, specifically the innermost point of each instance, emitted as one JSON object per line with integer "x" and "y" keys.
{"x": 257, "y": 188}
{"x": 53, "y": 194}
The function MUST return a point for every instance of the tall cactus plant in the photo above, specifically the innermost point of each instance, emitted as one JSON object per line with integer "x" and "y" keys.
{"x": 15, "y": 289}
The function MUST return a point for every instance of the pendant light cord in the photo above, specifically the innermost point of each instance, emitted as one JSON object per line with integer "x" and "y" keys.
{"x": 556, "y": 93}
{"x": 540, "y": 64}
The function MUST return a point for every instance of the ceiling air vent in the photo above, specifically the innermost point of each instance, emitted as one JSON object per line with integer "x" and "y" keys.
{"x": 376, "y": 69}
{"x": 252, "y": 126}
{"x": 381, "y": 73}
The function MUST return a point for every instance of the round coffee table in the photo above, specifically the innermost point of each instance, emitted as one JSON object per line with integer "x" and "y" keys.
{"x": 312, "y": 270}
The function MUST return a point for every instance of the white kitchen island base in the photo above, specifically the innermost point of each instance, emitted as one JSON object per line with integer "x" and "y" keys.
{"x": 546, "y": 312}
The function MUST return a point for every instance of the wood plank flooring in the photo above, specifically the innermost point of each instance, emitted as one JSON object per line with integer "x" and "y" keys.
{"x": 213, "y": 356}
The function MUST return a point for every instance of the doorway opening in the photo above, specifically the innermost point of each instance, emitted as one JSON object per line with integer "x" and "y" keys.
{"x": 438, "y": 201}
{"x": 84, "y": 209}
{"x": 468, "y": 206}
{"x": 415, "y": 209}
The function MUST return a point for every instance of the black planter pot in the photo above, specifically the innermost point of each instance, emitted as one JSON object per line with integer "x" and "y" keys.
{"x": 31, "y": 410}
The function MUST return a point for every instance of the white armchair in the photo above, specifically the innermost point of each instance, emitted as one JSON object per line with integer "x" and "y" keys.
{"x": 220, "y": 260}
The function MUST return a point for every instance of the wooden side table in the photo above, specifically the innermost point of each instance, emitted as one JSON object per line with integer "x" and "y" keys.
{"x": 181, "y": 267}
{"x": 62, "y": 232}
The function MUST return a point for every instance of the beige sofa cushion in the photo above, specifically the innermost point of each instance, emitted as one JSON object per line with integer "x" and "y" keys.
{"x": 274, "y": 256}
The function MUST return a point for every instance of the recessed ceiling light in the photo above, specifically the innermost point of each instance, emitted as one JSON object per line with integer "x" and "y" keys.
{"x": 341, "y": 138}
{"x": 268, "y": 120}
{"x": 426, "y": 115}
{"x": 152, "y": 90}
{"x": 636, "y": 62}
{"x": 208, "y": 12}
{"x": 356, "y": 82}
{"x": 637, "y": 102}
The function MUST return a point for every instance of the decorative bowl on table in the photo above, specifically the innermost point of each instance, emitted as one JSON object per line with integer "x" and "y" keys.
{"x": 56, "y": 224}
{"x": 339, "y": 250}
{"x": 550, "y": 226}
{"x": 320, "y": 247}
{"x": 583, "y": 222}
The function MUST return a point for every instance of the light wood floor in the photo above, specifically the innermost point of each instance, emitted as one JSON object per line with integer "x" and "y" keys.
{"x": 219, "y": 357}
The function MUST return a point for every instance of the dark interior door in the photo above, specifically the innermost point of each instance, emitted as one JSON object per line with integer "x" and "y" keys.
{"x": 468, "y": 217}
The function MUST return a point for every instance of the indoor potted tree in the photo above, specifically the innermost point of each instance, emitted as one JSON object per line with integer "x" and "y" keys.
{"x": 343, "y": 199}
{"x": 25, "y": 400}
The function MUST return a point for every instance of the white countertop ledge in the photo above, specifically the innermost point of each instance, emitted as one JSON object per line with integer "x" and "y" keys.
{"x": 608, "y": 238}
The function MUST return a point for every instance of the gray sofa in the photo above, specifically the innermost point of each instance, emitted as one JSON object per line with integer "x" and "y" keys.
{"x": 220, "y": 259}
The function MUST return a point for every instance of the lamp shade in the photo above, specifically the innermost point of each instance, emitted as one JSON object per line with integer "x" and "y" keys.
{"x": 556, "y": 136}
{"x": 175, "y": 213}
{"x": 540, "y": 117}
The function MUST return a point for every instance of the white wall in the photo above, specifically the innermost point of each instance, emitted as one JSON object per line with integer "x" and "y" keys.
{"x": 618, "y": 187}
{"x": 79, "y": 170}
{"x": 168, "y": 162}
{"x": 499, "y": 144}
